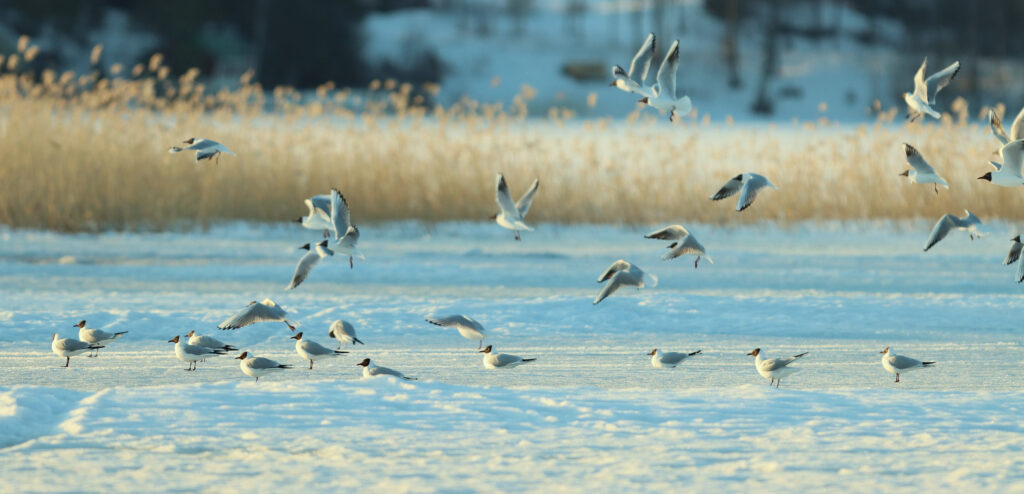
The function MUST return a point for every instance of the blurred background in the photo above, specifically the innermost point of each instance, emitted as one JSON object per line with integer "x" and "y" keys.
{"x": 746, "y": 59}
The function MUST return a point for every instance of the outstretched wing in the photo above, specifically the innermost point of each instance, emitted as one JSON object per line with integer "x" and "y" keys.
{"x": 1013, "y": 157}
{"x": 941, "y": 79}
{"x": 523, "y": 206}
{"x": 730, "y": 188}
{"x": 920, "y": 89}
{"x": 252, "y": 314}
{"x": 642, "y": 60}
{"x": 1014, "y": 254}
{"x": 667, "y": 71}
{"x": 505, "y": 199}
{"x": 616, "y": 266}
{"x": 751, "y": 187}
{"x": 455, "y": 321}
{"x": 673, "y": 232}
{"x": 942, "y": 228}
{"x": 917, "y": 161}
{"x": 340, "y": 216}
{"x": 996, "y": 125}
{"x": 303, "y": 268}
{"x": 609, "y": 288}
{"x": 1017, "y": 130}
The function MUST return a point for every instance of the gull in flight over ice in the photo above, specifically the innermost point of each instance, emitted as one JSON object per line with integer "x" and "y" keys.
{"x": 319, "y": 216}
{"x": 664, "y": 99}
{"x": 193, "y": 353}
{"x": 344, "y": 332}
{"x": 265, "y": 311}
{"x": 512, "y": 214}
{"x": 774, "y": 368}
{"x": 208, "y": 342}
{"x": 747, "y": 184}
{"x": 683, "y": 243}
{"x": 895, "y": 364}
{"x": 258, "y": 366}
{"x": 346, "y": 235}
{"x": 467, "y": 326}
{"x": 502, "y": 360}
{"x": 1016, "y": 130}
{"x": 948, "y": 222}
{"x": 669, "y": 360}
{"x": 96, "y": 336}
{"x": 313, "y": 351}
{"x": 920, "y": 171}
{"x": 205, "y": 149}
{"x": 921, "y": 100}
{"x": 1014, "y": 255}
{"x": 639, "y": 67}
{"x": 311, "y": 259}
{"x": 69, "y": 347}
{"x": 622, "y": 273}
{"x": 1009, "y": 173}
{"x": 372, "y": 370}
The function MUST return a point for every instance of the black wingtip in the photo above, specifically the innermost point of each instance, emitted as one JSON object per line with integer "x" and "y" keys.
{"x": 356, "y": 340}
{"x": 529, "y": 359}
{"x": 927, "y": 363}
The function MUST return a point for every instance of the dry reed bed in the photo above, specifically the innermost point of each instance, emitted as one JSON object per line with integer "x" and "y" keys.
{"x": 87, "y": 153}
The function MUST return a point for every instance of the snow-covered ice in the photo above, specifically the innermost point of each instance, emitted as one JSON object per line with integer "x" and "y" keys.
{"x": 589, "y": 415}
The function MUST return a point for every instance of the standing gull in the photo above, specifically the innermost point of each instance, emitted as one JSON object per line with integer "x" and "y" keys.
{"x": 623, "y": 273}
{"x": 258, "y": 366}
{"x": 69, "y": 347}
{"x": 265, "y": 311}
{"x": 683, "y": 243}
{"x": 639, "y": 67}
{"x": 502, "y": 360}
{"x": 747, "y": 184}
{"x": 344, "y": 332}
{"x": 1009, "y": 174}
{"x": 920, "y": 171}
{"x": 1014, "y": 255}
{"x": 208, "y": 342}
{"x": 664, "y": 99}
{"x": 96, "y": 336}
{"x": 313, "y": 351}
{"x": 669, "y": 359}
{"x": 774, "y": 368}
{"x": 895, "y": 364}
{"x": 467, "y": 326}
{"x": 371, "y": 370}
{"x": 346, "y": 235}
{"x": 921, "y": 100}
{"x": 308, "y": 262}
{"x": 193, "y": 353}
{"x": 947, "y": 223}
{"x": 512, "y": 215}
{"x": 205, "y": 149}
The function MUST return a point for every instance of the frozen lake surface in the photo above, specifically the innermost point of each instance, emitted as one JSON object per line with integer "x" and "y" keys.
{"x": 589, "y": 415}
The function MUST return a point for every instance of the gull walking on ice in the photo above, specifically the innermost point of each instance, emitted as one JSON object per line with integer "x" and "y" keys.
{"x": 895, "y": 364}
{"x": 774, "y": 368}
{"x": 96, "y": 336}
{"x": 683, "y": 243}
{"x": 258, "y": 366}
{"x": 193, "y": 353}
{"x": 313, "y": 351}
{"x": 69, "y": 347}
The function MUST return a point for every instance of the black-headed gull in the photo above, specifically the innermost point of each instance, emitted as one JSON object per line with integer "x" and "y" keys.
{"x": 372, "y": 370}
{"x": 193, "y": 353}
{"x": 669, "y": 360}
{"x": 1014, "y": 255}
{"x": 96, "y": 336}
{"x": 319, "y": 215}
{"x": 265, "y": 311}
{"x": 683, "y": 243}
{"x": 1009, "y": 174}
{"x": 747, "y": 184}
{"x": 895, "y": 364}
{"x": 622, "y": 273}
{"x": 921, "y": 100}
{"x": 920, "y": 171}
{"x": 346, "y": 235}
{"x": 512, "y": 215}
{"x": 308, "y": 262}
{"x": 69, "y": 347}
{"x": 774, "y": 368}
{"x": 467, "y": 326}
{"x": 313, "y": 351}
{"x": 259, "y": 366}
{"x": 205, "y": 149}
{"x": 208, "y": 342}
{"x": 947, "y": 223}
{"x": 664, "y": 99}
{"x": 344, "y": 332}
{"x": 638, "y": 68}
{"x": 502, "y": 360}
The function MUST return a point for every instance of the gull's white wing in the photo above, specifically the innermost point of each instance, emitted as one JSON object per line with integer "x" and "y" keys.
{"x": 1013, "y": 157}
{"x": 920, "y": 88}
{"x": 71, "y": 345}
{"x": 321, "y": 203}
{"x": 350, "y": 239}
{"x": 523, "y": 206}
{"x": 642, "y": 60}
{"x": 778, "y": 363}
{"x": 503, "y": 359}
{"x": 673, "y": 232}
{"x": 314, "y": 348}
{"x": 941, "y": 79}
{"x": 667, "y": 71}
{"x": 505, "y": 199}
{"x": 917, "y": 161}
{"x": 1017, "y": 130}
{"x": 731, "y": 187}
{"x": 456, "y": 321}
{"x": 340, "y": 215}
{"x": 253, "y": 314}
{"x": 303, "y": 268}
{"x": 689, "y": 245}
{"x": 263, "y": 363}
{"x": 996, "y": 125}
{"x": 1020, "y": 272}
{"x": 899, "y": 362}
{"x": 750, "y": 189}
{"x": 609, "y": 288}
{"x": 616, "y": 266}
{"x": 1014, "y": 254}
{"x": 942, "y": 228}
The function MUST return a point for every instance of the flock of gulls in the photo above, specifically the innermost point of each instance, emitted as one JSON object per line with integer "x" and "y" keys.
{"x": 330, "y": 214}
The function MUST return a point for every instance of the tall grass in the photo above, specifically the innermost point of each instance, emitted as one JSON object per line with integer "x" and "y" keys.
{"x": 89, "y": 152}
